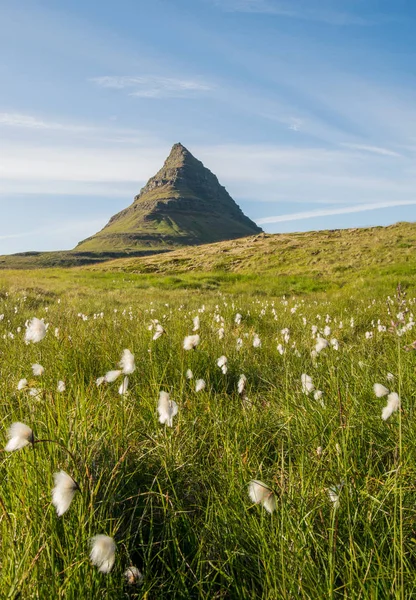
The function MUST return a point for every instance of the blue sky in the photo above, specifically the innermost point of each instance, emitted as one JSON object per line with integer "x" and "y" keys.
{"x": 304, "y": 109}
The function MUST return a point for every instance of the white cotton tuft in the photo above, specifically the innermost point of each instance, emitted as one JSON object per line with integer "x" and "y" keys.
{"x": 333, "y": 494}
{"x": 22, "y": 384}
{"x": 196, "y": 323}
{"x": 112, "y": 376}
{"x": 37, "y": 370}
{"x": 380, "y": 390}
{"x": 63, "y": 492}
{"x": 133, "y": 576}
{"x": 35, "y": 331}
{"x": 103, "y": 552}
{"x": 393, "y": 404}
{"x": 260, "y": 493}
{"x": 20, "y": 435}
{"x": 127, "y": 363}
{"x": 335, "y": 343}
{"x": 222, "y": 361}
{"x": 99, "y": 381}
{"x": 122, "y": 390}
{"x": 191, "y": 342}
{"x": 321, "y": 344}
{"x": 224, "y": 369}
{"x": 307, "y": 385}
{"x": 242, "y": 382}
{"x": 200, "y": 385}
{"x": 318, "y": 395}
{"x": 221, "y": 333}
{"x": 34, "y": 392}
{"x": 167, "y": 409}
{"x": 61, "y": 387}
{"x": 159, "y": 331}
{"x": 390, "y": 377}
{"x": 256, "y": 341}
{"x": 189, "y": 374}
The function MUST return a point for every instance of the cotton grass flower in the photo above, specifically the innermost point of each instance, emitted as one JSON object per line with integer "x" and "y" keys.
{"x": 63, "y": 493}
{"x": 333, "y": 494}
{"x": 237, "y": 319}
{"x": 22, "y": 384}
{"x": 133, "y": 576}
{"x": 200, "y": 385}
{"x": 393, "y": 404}
{"x": 35, "y": 331}
{"x": 260, "y": 493}
{"x": 307, "y": 384}
{"x": 167, "y": 409}
{"x": 159, "y": 331}
{"x": 380, "y": 390}
{"x": 127, "y": 363}
{"x": 112, "y": 376}
{"x": 34, "y": 392}
{"x": 321, "y": 344}
{"x": 196, "y": 323}
{"x": 191, "y": 342}
{"x": 20, "y": 435}
{"x": 103, "y": 552}
{"x": 99, "y": 381}
{"x": 242, "y": 382}
{"x": 37, "y": 370}
{"x": 256, "y": 341}
{"x": 61, "y": 387}
{"x": 189, "y": 374}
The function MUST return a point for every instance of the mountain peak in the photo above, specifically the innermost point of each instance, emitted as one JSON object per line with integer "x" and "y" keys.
{"x": 183, "y": 204}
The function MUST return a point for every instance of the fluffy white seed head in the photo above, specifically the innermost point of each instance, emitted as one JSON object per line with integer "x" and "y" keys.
{"x": 199, "y": 385}
{"x": 99, "y": 381}
{"x": 61, "y": 387}
{"x": 307, "y": 384}
{"x": 321, "y": 344}
{"x": 222, "y": 361}
{"x": 20, "y": 435}
{"x": 393, "y": 404}
{"x": 103, "y": 552}
{"x": 256, "y": 341}
{"x": 242, "y": 382}
{"x": 260, "y": 493}
{"x": 196, "y": 323}
{"x": 133, "y": 576}
{"x": 63, "y": 492}
{"x": 22, "y": 384}
{"x": 127, "y": 364}
{"x": 318, "y": 395}
{"x": 237, "y": 319}
{"x": 380, "y": 390}
{"x": 189, "y": 374}
{"x": 390, "y": 377}
{"x": 112, "y": 376}
{"x": 159, "y": 331}
{"x": 333, "y": 494}
{"x": 167, "y": 409}
{"x": 191, "y": 342}
{"x": 35, "y": 331}
{"x": 37, "y": 370}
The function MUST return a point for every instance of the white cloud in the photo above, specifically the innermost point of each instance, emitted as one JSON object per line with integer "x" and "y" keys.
{"x": 372, "y": 149}
{"x": 302, "y": 11}
{"x": 152, "y": 86}
{"x": 31, "y": 122}
{"x": 333, "y": 211}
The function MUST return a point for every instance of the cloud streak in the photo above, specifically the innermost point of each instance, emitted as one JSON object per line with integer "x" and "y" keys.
{"x": 285, "y": 9}
{"x": 152, "y": 86}
{"x": 311, "y": 214}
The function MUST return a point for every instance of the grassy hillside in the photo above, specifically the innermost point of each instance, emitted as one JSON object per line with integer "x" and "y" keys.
{"x": 175, "y": 499}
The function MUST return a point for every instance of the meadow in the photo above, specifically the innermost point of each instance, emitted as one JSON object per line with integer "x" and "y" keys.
{"x": 333, "y": 514}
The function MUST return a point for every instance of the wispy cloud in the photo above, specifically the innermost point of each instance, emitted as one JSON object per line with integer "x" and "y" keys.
{"x": 302, "y": 11}
{"x": 311, "y": 214}
{"x": 152, "y": 86}
{"x": 371, "y": 149}
{"x": 25, "y": 121}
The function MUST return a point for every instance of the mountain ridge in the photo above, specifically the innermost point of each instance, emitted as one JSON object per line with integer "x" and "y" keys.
{"x": 183, "y": 204}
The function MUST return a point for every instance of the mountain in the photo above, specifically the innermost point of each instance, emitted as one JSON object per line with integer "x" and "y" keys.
{"x": 183, "y": 204}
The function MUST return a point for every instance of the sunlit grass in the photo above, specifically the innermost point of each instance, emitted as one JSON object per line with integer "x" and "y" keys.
{"x": 175, "y": 499}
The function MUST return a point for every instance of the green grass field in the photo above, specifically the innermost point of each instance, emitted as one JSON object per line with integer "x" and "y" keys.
{"x": 175, "y": 499}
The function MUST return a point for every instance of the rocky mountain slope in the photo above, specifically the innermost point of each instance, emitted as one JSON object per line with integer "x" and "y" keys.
{"x": 183, "y": 204}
